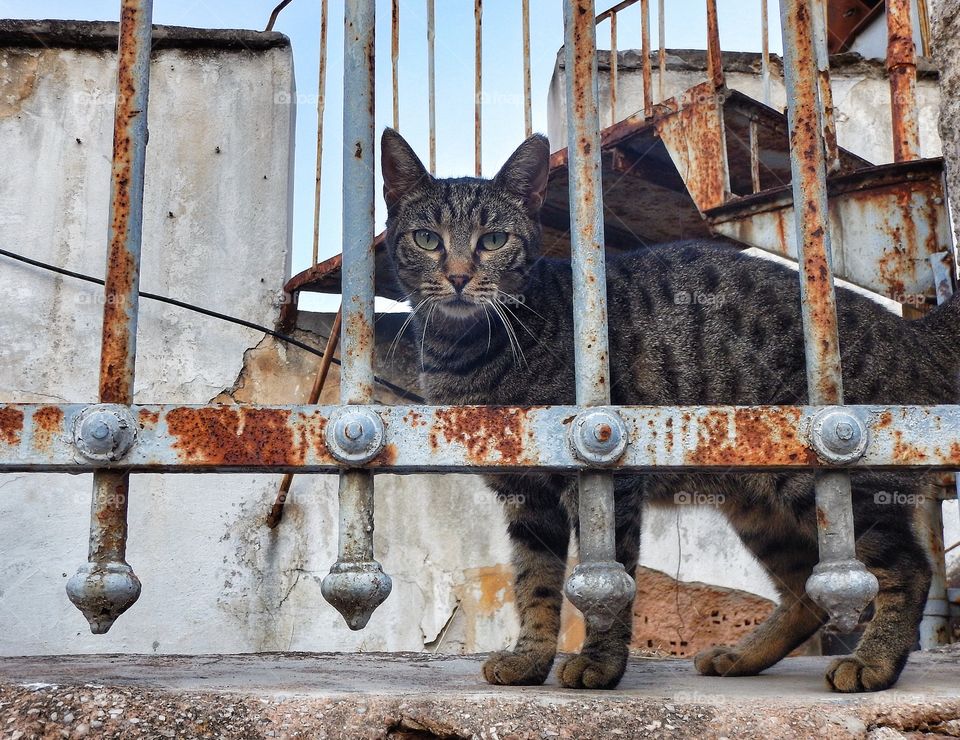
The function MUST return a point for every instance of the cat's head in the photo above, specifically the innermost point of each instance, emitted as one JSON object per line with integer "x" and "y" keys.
{"x": 460, "y": 243}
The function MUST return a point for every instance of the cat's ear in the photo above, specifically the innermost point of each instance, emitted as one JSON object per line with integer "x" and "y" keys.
{"x": 403, "y": 172}
{"x": 525, "y": 173}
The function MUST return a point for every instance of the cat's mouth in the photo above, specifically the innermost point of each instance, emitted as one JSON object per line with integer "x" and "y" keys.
{"x": 461, "y": 305}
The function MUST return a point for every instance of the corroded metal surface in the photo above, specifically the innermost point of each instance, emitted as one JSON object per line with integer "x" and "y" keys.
{"x": 714, "y": 59}
{"x": 902, "y": 70}
{"x": 292, "y": 438}
{"x": 840, "y": 583}
{"x": 321, "y": 107}
{"x": 478, "y": 87}
{"x": 527, "y": 98}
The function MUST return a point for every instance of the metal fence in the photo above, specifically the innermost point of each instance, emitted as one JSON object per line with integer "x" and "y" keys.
{"x": 115, "y": 438}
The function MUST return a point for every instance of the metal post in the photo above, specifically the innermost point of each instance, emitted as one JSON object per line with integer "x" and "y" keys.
{"x": 840, "y": 583}
{"x": 754, "y": 156}
{"x": 356, "y": 584}
{"x": 902, "y": 70}
{"x": 431, "y": 85}
{"x": 614, "y": 68}
{"x": 765, "y": 53}
{"x": 106, "y": 585}
{"x": 645, "y": 53}
{"x": 478, "y": 86}
{"x": 823, "y": 81}
{"x": 527, "y": 97}
{"x": 599, "y": 586}
{"x": 321, "y": 105}
{"x": 395, "y": 60}
{"x": 662, "y": 42}
{"x": 714, "y": 56}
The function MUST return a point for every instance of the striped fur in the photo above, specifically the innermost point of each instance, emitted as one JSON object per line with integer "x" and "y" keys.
{"x": 690, "y": 323}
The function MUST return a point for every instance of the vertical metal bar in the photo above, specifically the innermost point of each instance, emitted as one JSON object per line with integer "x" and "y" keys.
{"x": 478, "y": 86}
{"x": 662, "y": 42}
{"x": 527, "y": 97}
{"x": 106, "y": 585}
{"x": 902, "y": 70}
{"x": 614, "y": 68}
{"x": 754, "y": 157}
{"x": 645, "y": 53}
{"x": 599, "y": 586}
{"x": 395, "y": 60}
{"x": 356, "y": 584}
{"x": 714, "y": 56}
{"x": 321, "y": 105}
{"x": 765, "y": 53}
{"x": 431, "y": 85}
{"x": 924, "y": 17}
{"x": 839, "y": 582}
{"x": 823, "y": 82}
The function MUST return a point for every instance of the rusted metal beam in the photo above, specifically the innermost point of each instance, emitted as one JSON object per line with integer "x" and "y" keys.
{"x": 765, "y": 52}
{"x": 219, "y": 438}
{"x": 823, "y": 82}
{"x": 527, "y": 98}
{"x": 395, "y": 60}
{"x": 612, "y": 11}
{"x": 714, "y": 54}
{"x": 840, "y": 583}
{"x": 645, "y": 53}
{"x": 106, "y": 585}
{"x": 432, "y": 85}
{"x": 662, "y": 49}
{"x": 478, "y": 87}
{"x": 614, "y": 68}
{"x": 902, "y": 70}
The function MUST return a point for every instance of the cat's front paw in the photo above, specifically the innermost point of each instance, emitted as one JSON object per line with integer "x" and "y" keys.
{"x": 850, "y": 674}
{"x": 508, "y": 668}
{"x": 592, "y": 670}
{"x": 722, "y": 661}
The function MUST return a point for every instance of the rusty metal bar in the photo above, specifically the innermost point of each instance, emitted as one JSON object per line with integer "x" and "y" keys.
{"x": 599, "y": 586}
{"x": 478, "y": 87}
{"x": 395, "y": 60}
{"x": 840, "y": 583}
{"x": 754, "y": 157}
{"x": 431, "y": 85}
{"x": 614, "y": 68}
{"x": 356, "y": 584}
{"x": 924, "y": 17}
{"x": 106, "y": 585}
{"x": 765, "y": 52}
{"x": 527, "y": 97}
{"x": 662, "y": 54}
{"x": 333, "y": 341}
{"x": 612, "y": 11}
{"x": 294, "y": 438}
{"x": 714, "y": 56}
{"x": 823, "y": 82}
{"x": 902, "y": 70}
{"x": 645, "y": 53}
{"x": 321, "y": 106}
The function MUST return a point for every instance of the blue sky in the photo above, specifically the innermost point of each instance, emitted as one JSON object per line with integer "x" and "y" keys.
{"x": 502, "y": 74}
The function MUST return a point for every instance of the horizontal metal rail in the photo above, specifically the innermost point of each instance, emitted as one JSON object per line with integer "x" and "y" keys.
{"x": 302, "y": 439}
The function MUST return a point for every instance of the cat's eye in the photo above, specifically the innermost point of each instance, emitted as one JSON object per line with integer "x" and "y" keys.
{"x": 494, "y": 240}
{"x": 426, "y": 239}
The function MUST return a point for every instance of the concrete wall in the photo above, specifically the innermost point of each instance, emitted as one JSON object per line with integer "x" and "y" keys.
{"x": 861, "y": 96}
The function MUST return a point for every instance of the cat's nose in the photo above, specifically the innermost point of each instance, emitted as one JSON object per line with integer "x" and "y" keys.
{"x": 458, "y": 281}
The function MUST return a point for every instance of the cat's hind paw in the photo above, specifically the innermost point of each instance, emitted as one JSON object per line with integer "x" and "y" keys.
{"x": 850, "y": 674}
{"x": 592, "y": 670}
{"x": 508, "y": 668}
{"x": 722, "y": 661}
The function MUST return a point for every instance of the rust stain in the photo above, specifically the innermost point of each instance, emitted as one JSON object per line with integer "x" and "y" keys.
{"x": 148, "y": 418}
{"x": 18, "y": 79}
{"x": 483, "y": 430}
{"x": 823, "y": 522}
{"x": 47, "y": 424}
{"x": 759, "y": 438}
{"x": 235, "y": 436}
{"x": 904, "y": 451}
{"x": 11, "y": 424}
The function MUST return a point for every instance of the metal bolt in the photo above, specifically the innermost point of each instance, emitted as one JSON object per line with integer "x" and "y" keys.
{"x": 355, "y": 434}
{"x": 838, "y": 436}
{"x": 100, "y": 430}
{"x": 598, "y": 436}
{"x": 104, "y": 431}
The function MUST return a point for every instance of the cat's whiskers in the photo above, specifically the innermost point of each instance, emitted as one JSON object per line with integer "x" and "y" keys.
{"x": 410, "y": 316}
{"x": 423, "y": 334}
{"x": 518, "y": 356}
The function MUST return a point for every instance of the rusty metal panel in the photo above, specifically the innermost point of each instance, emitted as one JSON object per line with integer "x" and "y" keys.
{"x": 694, "y": 136}
{"x": 181, "y": 439}
{"x": 884, "y": 223}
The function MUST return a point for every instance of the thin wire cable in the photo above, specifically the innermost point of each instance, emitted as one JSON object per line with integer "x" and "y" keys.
{"x": 400, "y": 391}
{"x": 274, "y": 14}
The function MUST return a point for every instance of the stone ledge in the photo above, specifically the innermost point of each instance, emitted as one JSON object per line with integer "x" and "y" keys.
{"x": 414, "y": 695}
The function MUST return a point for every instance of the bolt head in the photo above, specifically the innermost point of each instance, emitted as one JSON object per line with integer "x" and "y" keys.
{"x": 838, "y": 435}
{"x": 100, "y": 430}
{"x": 355, "y": 434}
{"x": 844, "y": 430}
{"x": 598, "y": 436}
{"x": 353, "y": 430}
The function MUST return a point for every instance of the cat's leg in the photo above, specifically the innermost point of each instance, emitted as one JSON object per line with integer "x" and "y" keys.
{"x": 539, "y": 532}
{"x": 891, "y": 551}
{"x": 788, "y": 557}
{"x": 603, "y": 658}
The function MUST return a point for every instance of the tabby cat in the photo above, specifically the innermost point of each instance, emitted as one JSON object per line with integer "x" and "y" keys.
{"x": 494, "y": 326}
